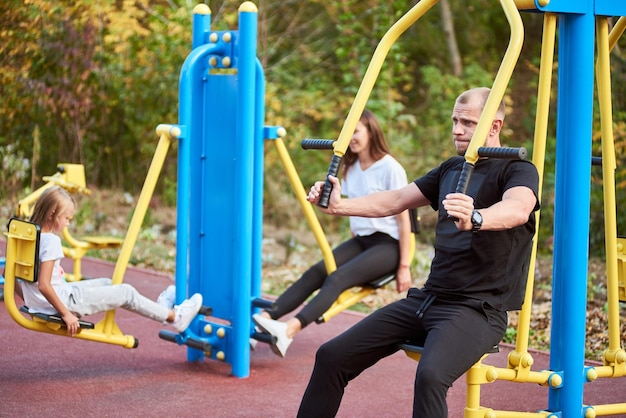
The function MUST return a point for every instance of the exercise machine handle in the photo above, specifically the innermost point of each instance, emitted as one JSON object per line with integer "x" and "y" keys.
{"x": 310, "y": 143}
{"x": 503, "y": 152}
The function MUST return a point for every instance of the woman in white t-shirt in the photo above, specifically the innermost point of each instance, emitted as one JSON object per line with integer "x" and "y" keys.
{"x": 378, "y": 246}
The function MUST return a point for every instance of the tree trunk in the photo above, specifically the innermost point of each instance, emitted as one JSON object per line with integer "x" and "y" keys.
{"x": 448, "y": 29}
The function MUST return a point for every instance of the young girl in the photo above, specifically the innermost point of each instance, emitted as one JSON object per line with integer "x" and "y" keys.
{"x": 51, "y": 294}
{"x": 378, "y": 246}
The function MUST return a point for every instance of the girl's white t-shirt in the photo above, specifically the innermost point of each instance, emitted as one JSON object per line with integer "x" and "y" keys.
{"x": 50, "y": 248}
{"x": 385, "y": 174}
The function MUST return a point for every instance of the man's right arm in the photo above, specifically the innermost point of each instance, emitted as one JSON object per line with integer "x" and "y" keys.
{"x": 375, "y": 205}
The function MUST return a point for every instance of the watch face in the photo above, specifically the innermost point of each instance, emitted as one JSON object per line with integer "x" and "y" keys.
{"x": 477, "y": 221}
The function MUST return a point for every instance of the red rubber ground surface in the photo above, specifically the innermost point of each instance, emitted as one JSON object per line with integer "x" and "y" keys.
{"x": 45, "y": 375}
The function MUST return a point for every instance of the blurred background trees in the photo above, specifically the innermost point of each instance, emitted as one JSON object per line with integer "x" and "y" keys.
{"x": 88, "y": 82}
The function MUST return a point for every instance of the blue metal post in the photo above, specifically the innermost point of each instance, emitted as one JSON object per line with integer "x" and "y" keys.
{"x": 220, "y": 186}
{"x": 245, "y": 139}
{"x": 201, "y": 25}
{"x": 571, "y": 207}
{"x": 259, "y": 168}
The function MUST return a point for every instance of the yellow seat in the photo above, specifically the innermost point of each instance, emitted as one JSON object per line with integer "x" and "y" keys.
{"x": 22, "y": 262}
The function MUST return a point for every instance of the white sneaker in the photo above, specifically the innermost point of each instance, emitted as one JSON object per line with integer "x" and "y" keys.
{"x": 186, "y": 312}
{"x": 167, "y": 297}
{"x": 277, "y": 329}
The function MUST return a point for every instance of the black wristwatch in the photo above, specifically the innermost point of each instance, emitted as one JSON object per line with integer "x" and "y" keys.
{"x": 477, "y": 220}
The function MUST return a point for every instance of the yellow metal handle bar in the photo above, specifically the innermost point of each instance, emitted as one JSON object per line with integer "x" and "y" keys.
{"x": 500, "y": 84}
{"x": 365, "y": 89}
{"x": 502, "y": 78}
{"x": 309, "y": 213}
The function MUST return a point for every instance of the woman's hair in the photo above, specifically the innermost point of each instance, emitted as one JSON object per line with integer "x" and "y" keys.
{"x": 377, "y": 146}
{"x": 51, "y": 202}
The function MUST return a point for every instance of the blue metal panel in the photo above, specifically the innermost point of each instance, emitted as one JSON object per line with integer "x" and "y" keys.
{"x": 213, "y": 217}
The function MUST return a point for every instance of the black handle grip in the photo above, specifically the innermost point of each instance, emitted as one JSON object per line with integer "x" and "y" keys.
{"x": 503, "y": 152}
{"x": 333, "y": 169}
{"x": 167, "y": 336}
{"x": 596, "y": 161}
{"x": 309, "y": 143}
{"x": 464, "y": 179}
{"x": 198, "y": 345}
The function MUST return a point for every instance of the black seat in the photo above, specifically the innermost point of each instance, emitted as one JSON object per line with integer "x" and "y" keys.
{"x": 55, "y": 318}
{"x": 414, "y": 350}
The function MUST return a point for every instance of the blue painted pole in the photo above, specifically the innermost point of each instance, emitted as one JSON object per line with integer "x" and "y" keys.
{"x": 190, "y": 84}
{"x": 259, "y": 168}
{"x": 245, "y": 138}
{"x": 201, "y": 25}
{"x": 571, "y": 208}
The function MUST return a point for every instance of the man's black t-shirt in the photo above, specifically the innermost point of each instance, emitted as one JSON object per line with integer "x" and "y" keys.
{"x": 491, "y": 266}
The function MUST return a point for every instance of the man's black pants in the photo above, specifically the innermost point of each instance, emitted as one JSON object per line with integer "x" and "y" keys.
{"x": 454, "y": 335}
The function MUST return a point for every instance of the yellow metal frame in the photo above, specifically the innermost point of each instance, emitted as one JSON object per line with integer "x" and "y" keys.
{"x": 20, "y": 258}
{"x": 520, "y": 360}
{"x": 615, "y": 356}
{"x": 350, "y": 296}
{"x": 72, "y": 178}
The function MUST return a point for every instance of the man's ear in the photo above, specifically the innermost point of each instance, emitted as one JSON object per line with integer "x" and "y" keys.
{"x": 496, "y": 126}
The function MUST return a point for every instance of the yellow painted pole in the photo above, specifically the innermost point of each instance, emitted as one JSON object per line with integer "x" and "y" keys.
{"x": 166, "y": 133}
{"x": 614, "y": 354}
{"x": 307, "y": 208}
{"x": 496, "y": 94}
{"x": 539, "y": 153}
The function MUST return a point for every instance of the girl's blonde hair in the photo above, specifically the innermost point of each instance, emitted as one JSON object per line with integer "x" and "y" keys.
{"x": 52, "y": 202}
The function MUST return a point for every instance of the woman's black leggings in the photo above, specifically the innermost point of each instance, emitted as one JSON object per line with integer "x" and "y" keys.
{"x": 359, "y": 260}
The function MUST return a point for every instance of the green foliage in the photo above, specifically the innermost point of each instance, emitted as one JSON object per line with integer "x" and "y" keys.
{"x": 15, "y": 168}
{"x": 96, "y": 78}
{"x": 510, "y": 335}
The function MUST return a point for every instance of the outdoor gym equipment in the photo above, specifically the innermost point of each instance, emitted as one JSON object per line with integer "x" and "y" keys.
{"x": 219, "y": 229}
{"x": 219, "y": 194}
